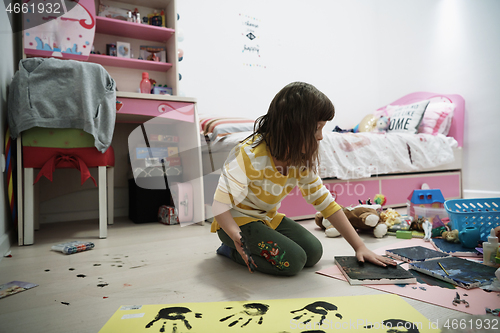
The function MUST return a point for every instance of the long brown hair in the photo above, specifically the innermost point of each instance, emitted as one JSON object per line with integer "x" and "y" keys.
{"x": 291, "y": 122}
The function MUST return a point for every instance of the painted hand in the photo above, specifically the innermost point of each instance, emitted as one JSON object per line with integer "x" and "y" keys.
{"x": 245, "y": 253}
{"x": 365, "y": 254}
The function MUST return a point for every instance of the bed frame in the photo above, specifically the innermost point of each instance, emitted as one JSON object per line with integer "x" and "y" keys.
{"x": 395, "y": 187}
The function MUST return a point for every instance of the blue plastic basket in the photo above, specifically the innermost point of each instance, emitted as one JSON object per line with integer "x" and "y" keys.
{"x": 483, "y": 214}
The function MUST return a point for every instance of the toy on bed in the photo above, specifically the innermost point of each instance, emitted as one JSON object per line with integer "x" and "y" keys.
{"x": 382, "y": 124}
{"x": 372, "y": 123}
{"x": 365, "y": 218}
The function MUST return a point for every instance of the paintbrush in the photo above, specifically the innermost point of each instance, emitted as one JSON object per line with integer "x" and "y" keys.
{"x": 444, "y": 270}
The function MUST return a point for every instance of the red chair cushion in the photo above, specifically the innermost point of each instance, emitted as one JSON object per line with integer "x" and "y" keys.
{"x": 49, "y": 159}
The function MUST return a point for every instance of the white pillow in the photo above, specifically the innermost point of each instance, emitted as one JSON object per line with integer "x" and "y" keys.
{"x": 437, "y": 118}
{"x": 406, "y": 118}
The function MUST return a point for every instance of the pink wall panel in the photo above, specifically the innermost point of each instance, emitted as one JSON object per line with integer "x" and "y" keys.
{"x": 294, "y": 205}
{"x": 349, "y": 192}
{"x": 346, "y": 192}
{"x": 397, "y": 189}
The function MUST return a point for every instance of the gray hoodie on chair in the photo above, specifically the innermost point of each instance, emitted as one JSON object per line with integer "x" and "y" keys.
{"x": 54, "y": 93}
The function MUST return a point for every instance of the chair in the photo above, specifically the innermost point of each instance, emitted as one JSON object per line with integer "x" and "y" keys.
{"x": 48, "y": 149}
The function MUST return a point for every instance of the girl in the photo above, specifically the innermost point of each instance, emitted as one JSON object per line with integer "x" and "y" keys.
{"x": 281, "y": 153}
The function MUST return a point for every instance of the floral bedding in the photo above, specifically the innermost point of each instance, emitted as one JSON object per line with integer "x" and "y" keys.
{"x": 361, "y": 155}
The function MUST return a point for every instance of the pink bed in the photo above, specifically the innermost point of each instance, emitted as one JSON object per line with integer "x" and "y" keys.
{"x": 395, "y": 183}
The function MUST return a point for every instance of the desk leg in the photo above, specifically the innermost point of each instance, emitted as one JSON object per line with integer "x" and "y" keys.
{"x": 103, "y": 226}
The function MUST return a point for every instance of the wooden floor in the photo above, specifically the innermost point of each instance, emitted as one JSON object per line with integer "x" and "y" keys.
{"x": 151, "y": 264}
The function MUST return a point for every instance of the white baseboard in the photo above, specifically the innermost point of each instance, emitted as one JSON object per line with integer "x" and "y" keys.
{"x": 471, "y": 194}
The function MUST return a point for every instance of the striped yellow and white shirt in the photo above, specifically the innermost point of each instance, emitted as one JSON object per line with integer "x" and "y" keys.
{"x": 254, "y": 188}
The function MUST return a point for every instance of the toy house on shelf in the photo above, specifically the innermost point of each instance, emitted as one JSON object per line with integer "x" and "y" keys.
{"x": 426, "y": 203}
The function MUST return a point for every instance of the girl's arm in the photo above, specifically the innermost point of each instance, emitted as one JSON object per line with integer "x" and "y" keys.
{"x": 227, "y": 223}
{"x": 342, "y": 224}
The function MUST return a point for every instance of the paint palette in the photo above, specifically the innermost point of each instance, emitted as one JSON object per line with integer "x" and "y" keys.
{"x": 415, "y": 253}
{"x": 367, "y": 273}
{"x": 464, "y": 273}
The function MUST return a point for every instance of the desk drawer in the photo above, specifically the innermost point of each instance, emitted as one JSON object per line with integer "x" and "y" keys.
{"x": 157, "y": 108}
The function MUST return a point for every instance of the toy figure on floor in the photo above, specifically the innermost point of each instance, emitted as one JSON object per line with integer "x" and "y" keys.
{"x": 260, "y": 171}
{"x": 364, "y": 218}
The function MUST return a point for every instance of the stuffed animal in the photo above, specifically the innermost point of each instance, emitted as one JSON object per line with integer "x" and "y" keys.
{"x": 390, "y": 217}
{"x": 451, "y": 236}
{"x": 362, "y": 218}
{"x": 382, "y": 124}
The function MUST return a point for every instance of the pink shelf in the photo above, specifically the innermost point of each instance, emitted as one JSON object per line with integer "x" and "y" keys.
{"x": 130, "y": 63}
{"x": 109, "y": 26}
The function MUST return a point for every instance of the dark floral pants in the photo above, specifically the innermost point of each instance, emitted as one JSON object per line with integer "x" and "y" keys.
{"x": 284, "y": 251}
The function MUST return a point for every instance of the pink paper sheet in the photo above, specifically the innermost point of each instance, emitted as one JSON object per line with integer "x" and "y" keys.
{"x": 478, "y": 299}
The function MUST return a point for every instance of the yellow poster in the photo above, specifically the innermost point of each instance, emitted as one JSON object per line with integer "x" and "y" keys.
{"x": 372, "y": 313}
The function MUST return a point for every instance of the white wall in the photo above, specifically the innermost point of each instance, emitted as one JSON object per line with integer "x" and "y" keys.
{"x": 6, "y": 72}
{"x": 363, "y": 54}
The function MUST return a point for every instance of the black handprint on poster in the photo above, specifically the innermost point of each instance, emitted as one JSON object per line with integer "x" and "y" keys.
{"x": 316, "y": 308}
{"x": 249, "y": 312}
{"x": 174, "y": 315}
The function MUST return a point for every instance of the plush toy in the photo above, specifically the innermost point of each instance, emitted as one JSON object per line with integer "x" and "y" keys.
{"x": 390, "y": 217}
{"x": 418, "y": 224}
{"x": 382, "y": 124}
{"x": 362, "y": 218}
{"x": 451, "y": 236}
{"x": 380, "y": 199}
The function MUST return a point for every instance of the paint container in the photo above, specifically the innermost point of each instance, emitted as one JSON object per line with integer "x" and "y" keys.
{"x": 73, "y": 247}
{"x": 490, "y": 249}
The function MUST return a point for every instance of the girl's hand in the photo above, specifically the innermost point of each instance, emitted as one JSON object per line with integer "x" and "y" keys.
{"x": 238, "y": 243}
{"x": 364, "y": 254}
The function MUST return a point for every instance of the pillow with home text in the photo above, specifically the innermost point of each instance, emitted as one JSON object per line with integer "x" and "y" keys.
{"x": 406, "y": 118}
